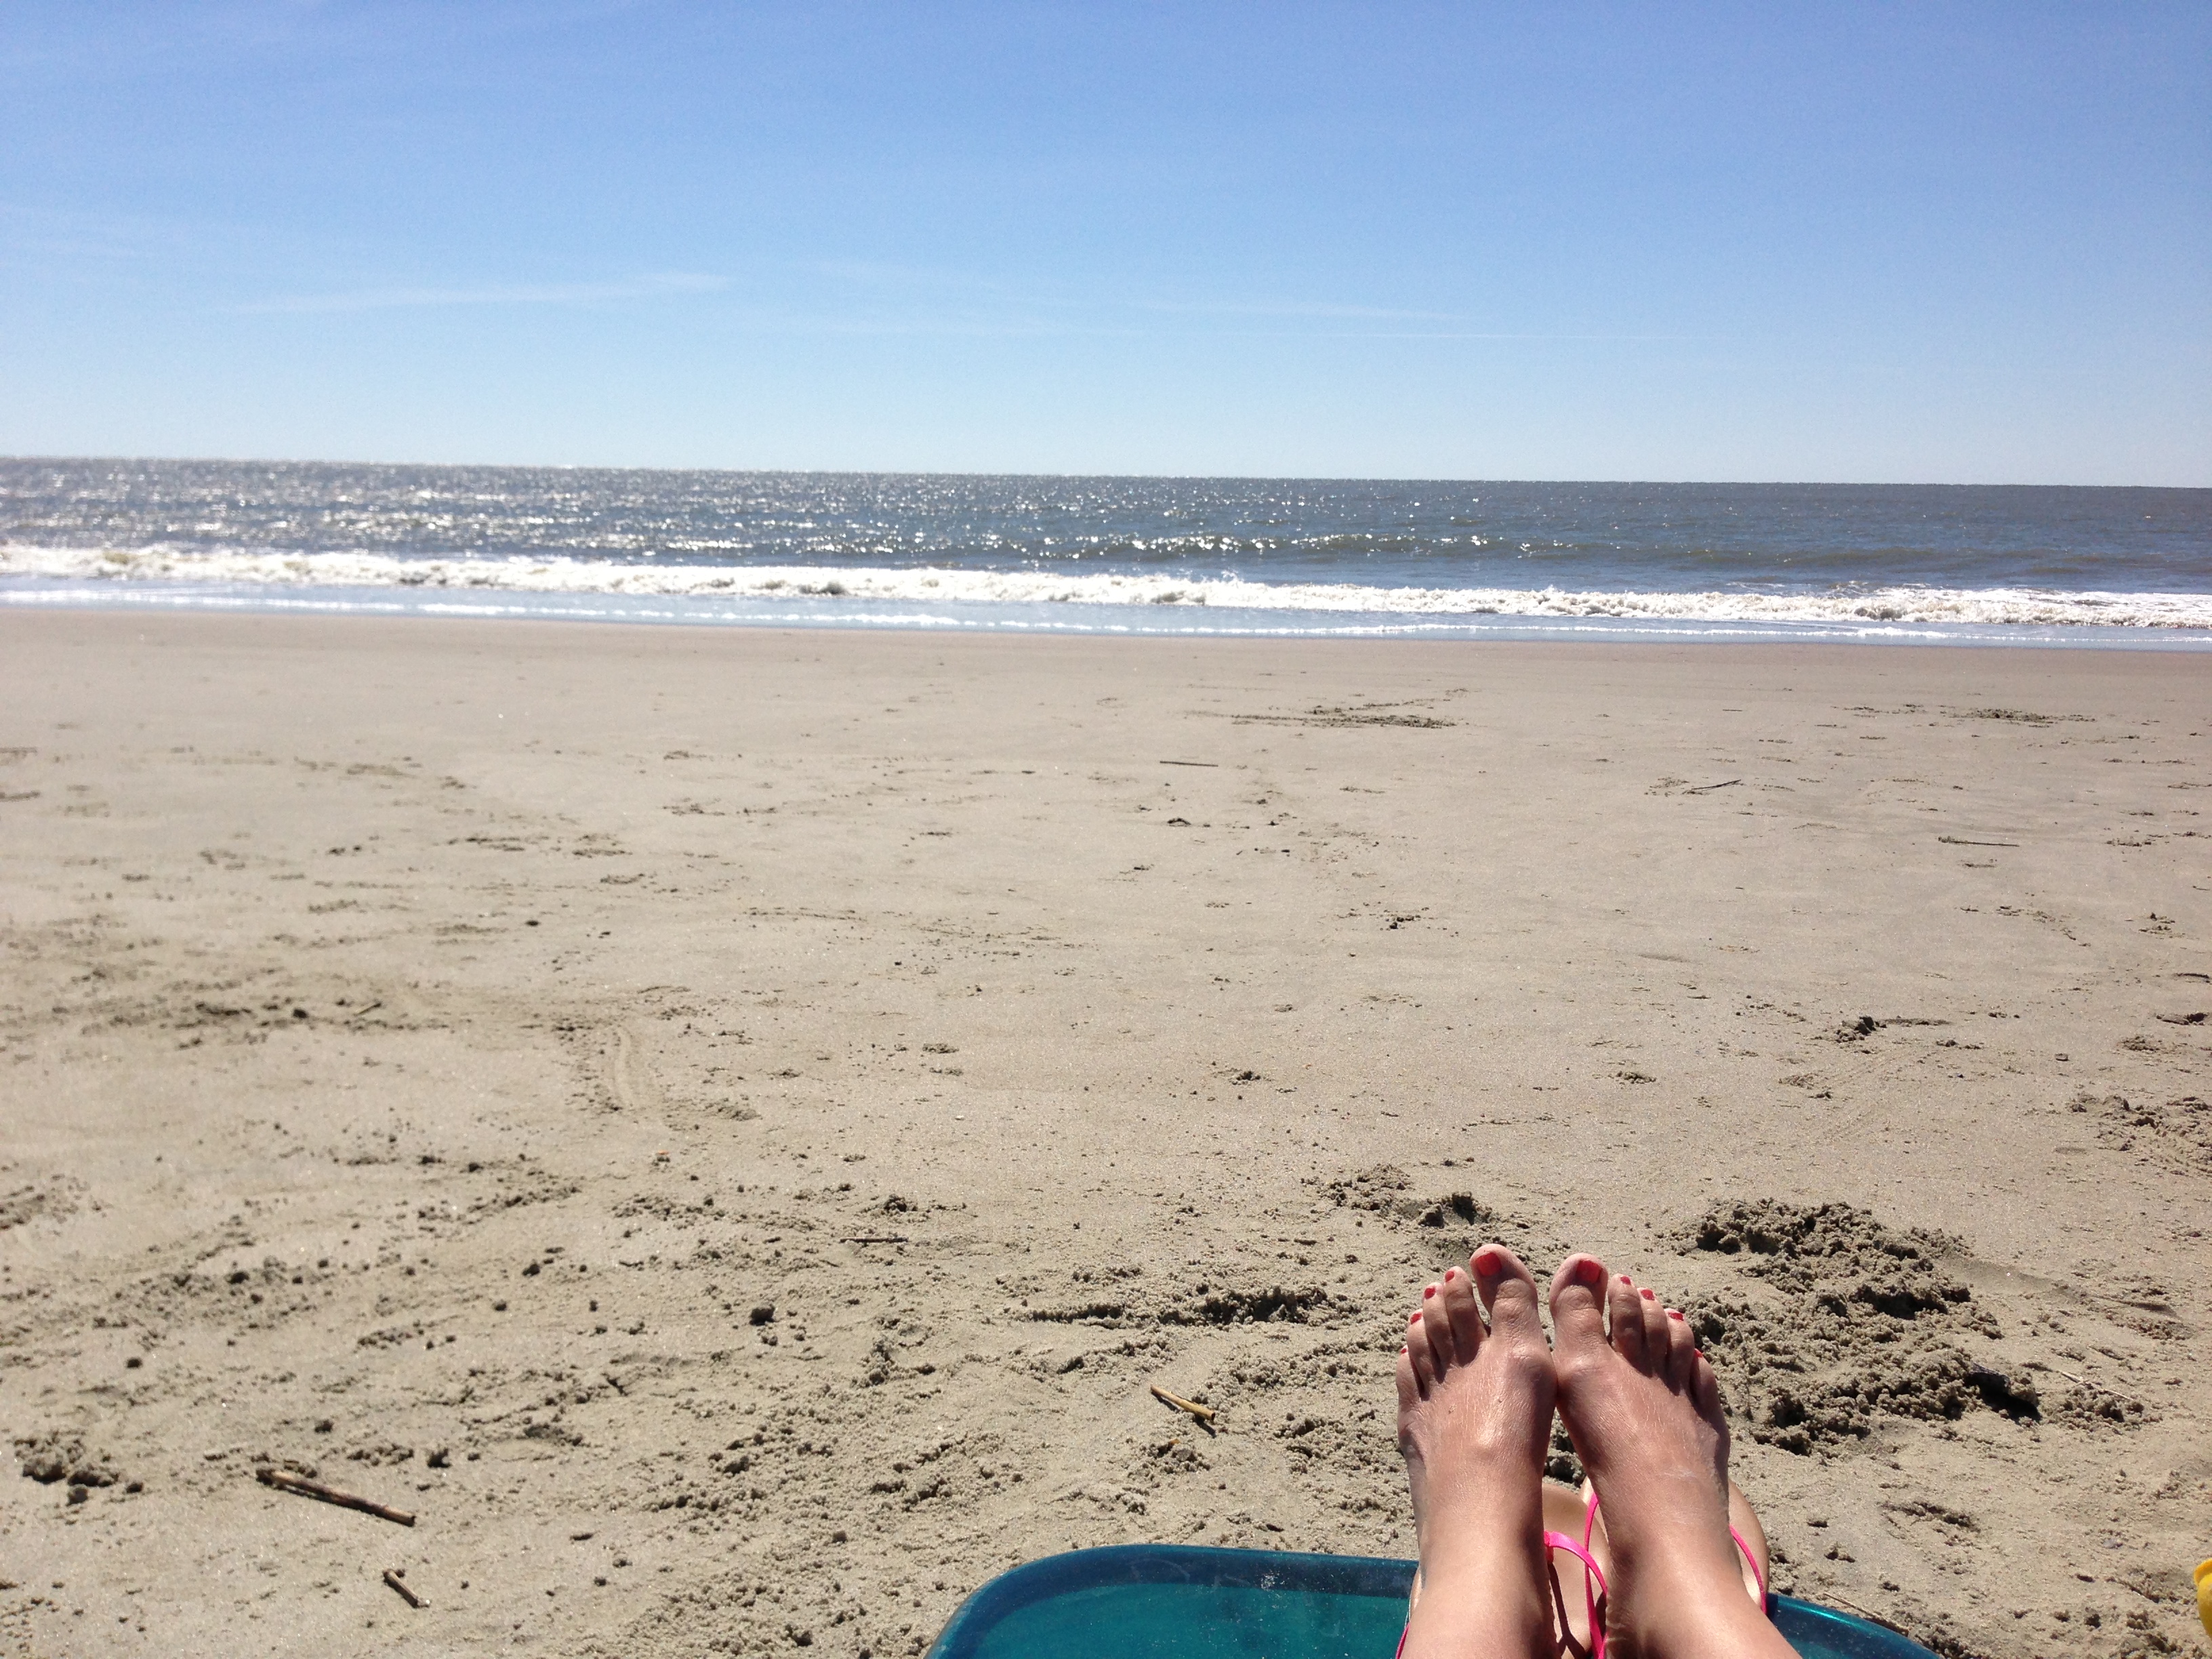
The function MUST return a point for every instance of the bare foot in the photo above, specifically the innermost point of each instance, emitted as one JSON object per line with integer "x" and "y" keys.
{"x": 1474, "y": 1415}
{"x": 1644, "y": 1411}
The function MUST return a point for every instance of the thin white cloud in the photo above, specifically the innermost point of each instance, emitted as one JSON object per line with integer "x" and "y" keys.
{"x": 1058, "y": 313}
{"x": 951, "y": 302}
{"x": 1293, "y": 308}
{"x": 658, "y": 286}
{"x": 925, "y": 280}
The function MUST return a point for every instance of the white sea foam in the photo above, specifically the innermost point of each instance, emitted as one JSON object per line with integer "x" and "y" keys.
{"x": 1994, "y": 607}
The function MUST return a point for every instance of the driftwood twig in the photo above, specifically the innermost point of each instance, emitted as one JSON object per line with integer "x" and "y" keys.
{"x": 876, "y": 1238}
{"x": 284, "y": 1480}
{"x": 1704, "y": 788}
{"x": 1203, "y": 1414}
{"x": 2085, "y": 1382}
{"x": 391, "y": 1577}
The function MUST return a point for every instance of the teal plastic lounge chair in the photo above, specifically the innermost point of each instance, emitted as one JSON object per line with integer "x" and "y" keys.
{"x": 1168, "y": 1601}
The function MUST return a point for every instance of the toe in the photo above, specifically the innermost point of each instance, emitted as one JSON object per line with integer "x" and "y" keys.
{"x": 1417, "y": 1354}
{"x": 1435, "y": 1328}
{"x": 1681, "y": 1351}
{"x": 1657, "y": 1341}
{"x": 1508, "y": 1290}
{"x": 1705, "y": 1391}
{"x": 1409, "y": 1390}
{"x": 1461, "y": 1314}
{"x": 1625, "y": 1317}
{"x": 1577, "y": 1315}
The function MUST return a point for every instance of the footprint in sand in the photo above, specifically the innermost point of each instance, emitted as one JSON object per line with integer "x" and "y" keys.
{"x": 629, "y": 1076}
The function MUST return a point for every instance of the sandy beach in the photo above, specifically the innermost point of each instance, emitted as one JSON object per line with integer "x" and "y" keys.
{"x": 725, "y": 1126}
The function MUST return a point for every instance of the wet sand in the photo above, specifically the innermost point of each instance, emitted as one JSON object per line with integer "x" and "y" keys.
{"x": 726, "y": 1125}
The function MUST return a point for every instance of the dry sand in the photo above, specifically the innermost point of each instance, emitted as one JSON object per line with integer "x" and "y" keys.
{"x": 431, "y": 1050}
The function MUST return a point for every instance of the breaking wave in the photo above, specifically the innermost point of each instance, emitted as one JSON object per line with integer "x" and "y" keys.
{"x": 937, "y": 585}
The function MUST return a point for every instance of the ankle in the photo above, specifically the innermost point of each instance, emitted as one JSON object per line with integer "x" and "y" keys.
{"x": 1475, "y": 1539}
{"x": 1684, "y": 1604}
{"x": 1676, "y": 1527}
{"x": 1479, "y": 1595}
{"x": 1682, "y": 1567}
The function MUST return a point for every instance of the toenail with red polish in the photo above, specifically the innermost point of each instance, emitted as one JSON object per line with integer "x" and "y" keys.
{"x": 1626, "y": 1280}
{"x": 1487, "y": 1260}
{"x": 1674, "y": 1313}
{"x": 1427, "y": 1290}
{"x": 1589, "y": 1272}
{"x": 1450, "y": 1273}
{"x": 1650, "y": 1296}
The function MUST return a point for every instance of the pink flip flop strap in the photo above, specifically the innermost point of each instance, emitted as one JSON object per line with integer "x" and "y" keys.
{"x": 1591, "y": 1574}
{"x": 1590, "y": 1522}
{"x": 1750, "y": 1561}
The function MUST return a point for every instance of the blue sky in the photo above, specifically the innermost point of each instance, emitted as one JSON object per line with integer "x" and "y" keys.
{"x": 1912, "y": 242}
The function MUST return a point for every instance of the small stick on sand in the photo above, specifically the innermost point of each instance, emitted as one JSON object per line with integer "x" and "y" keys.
{"x": 391, "y": 1577}
{"x": 2104, "y": 1388}
{"x": 1216, "y": 764}
{"x": 877, "y": 1238}
{"x": 1704, "y": 788}
{"x": 1203, "y": 1414}
{"x": 284, "y": 1481}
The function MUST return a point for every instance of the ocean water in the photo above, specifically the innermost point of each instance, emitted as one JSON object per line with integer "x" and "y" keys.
{"x": 1350, "y": 557}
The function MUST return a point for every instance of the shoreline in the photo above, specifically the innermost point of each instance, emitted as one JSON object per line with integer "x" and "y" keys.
{"x": 1175, "y": 614}
{"x": 1024, "y": 1020}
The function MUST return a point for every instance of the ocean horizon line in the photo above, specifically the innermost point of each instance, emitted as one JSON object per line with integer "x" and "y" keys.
{"x": 37, "y": 459}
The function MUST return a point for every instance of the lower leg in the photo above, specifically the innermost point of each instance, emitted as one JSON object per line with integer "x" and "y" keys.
{"x": 1474, "y": 1413}
{"x": 1644, "y": 1411}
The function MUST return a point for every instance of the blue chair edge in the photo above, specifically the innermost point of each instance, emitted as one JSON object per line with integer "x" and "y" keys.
{"x": 1162, "y": 1563}
{"x": 1341, "y": 1574}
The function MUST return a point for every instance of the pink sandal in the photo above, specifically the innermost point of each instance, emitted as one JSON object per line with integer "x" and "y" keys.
{"x": 1594, "y": 1588}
